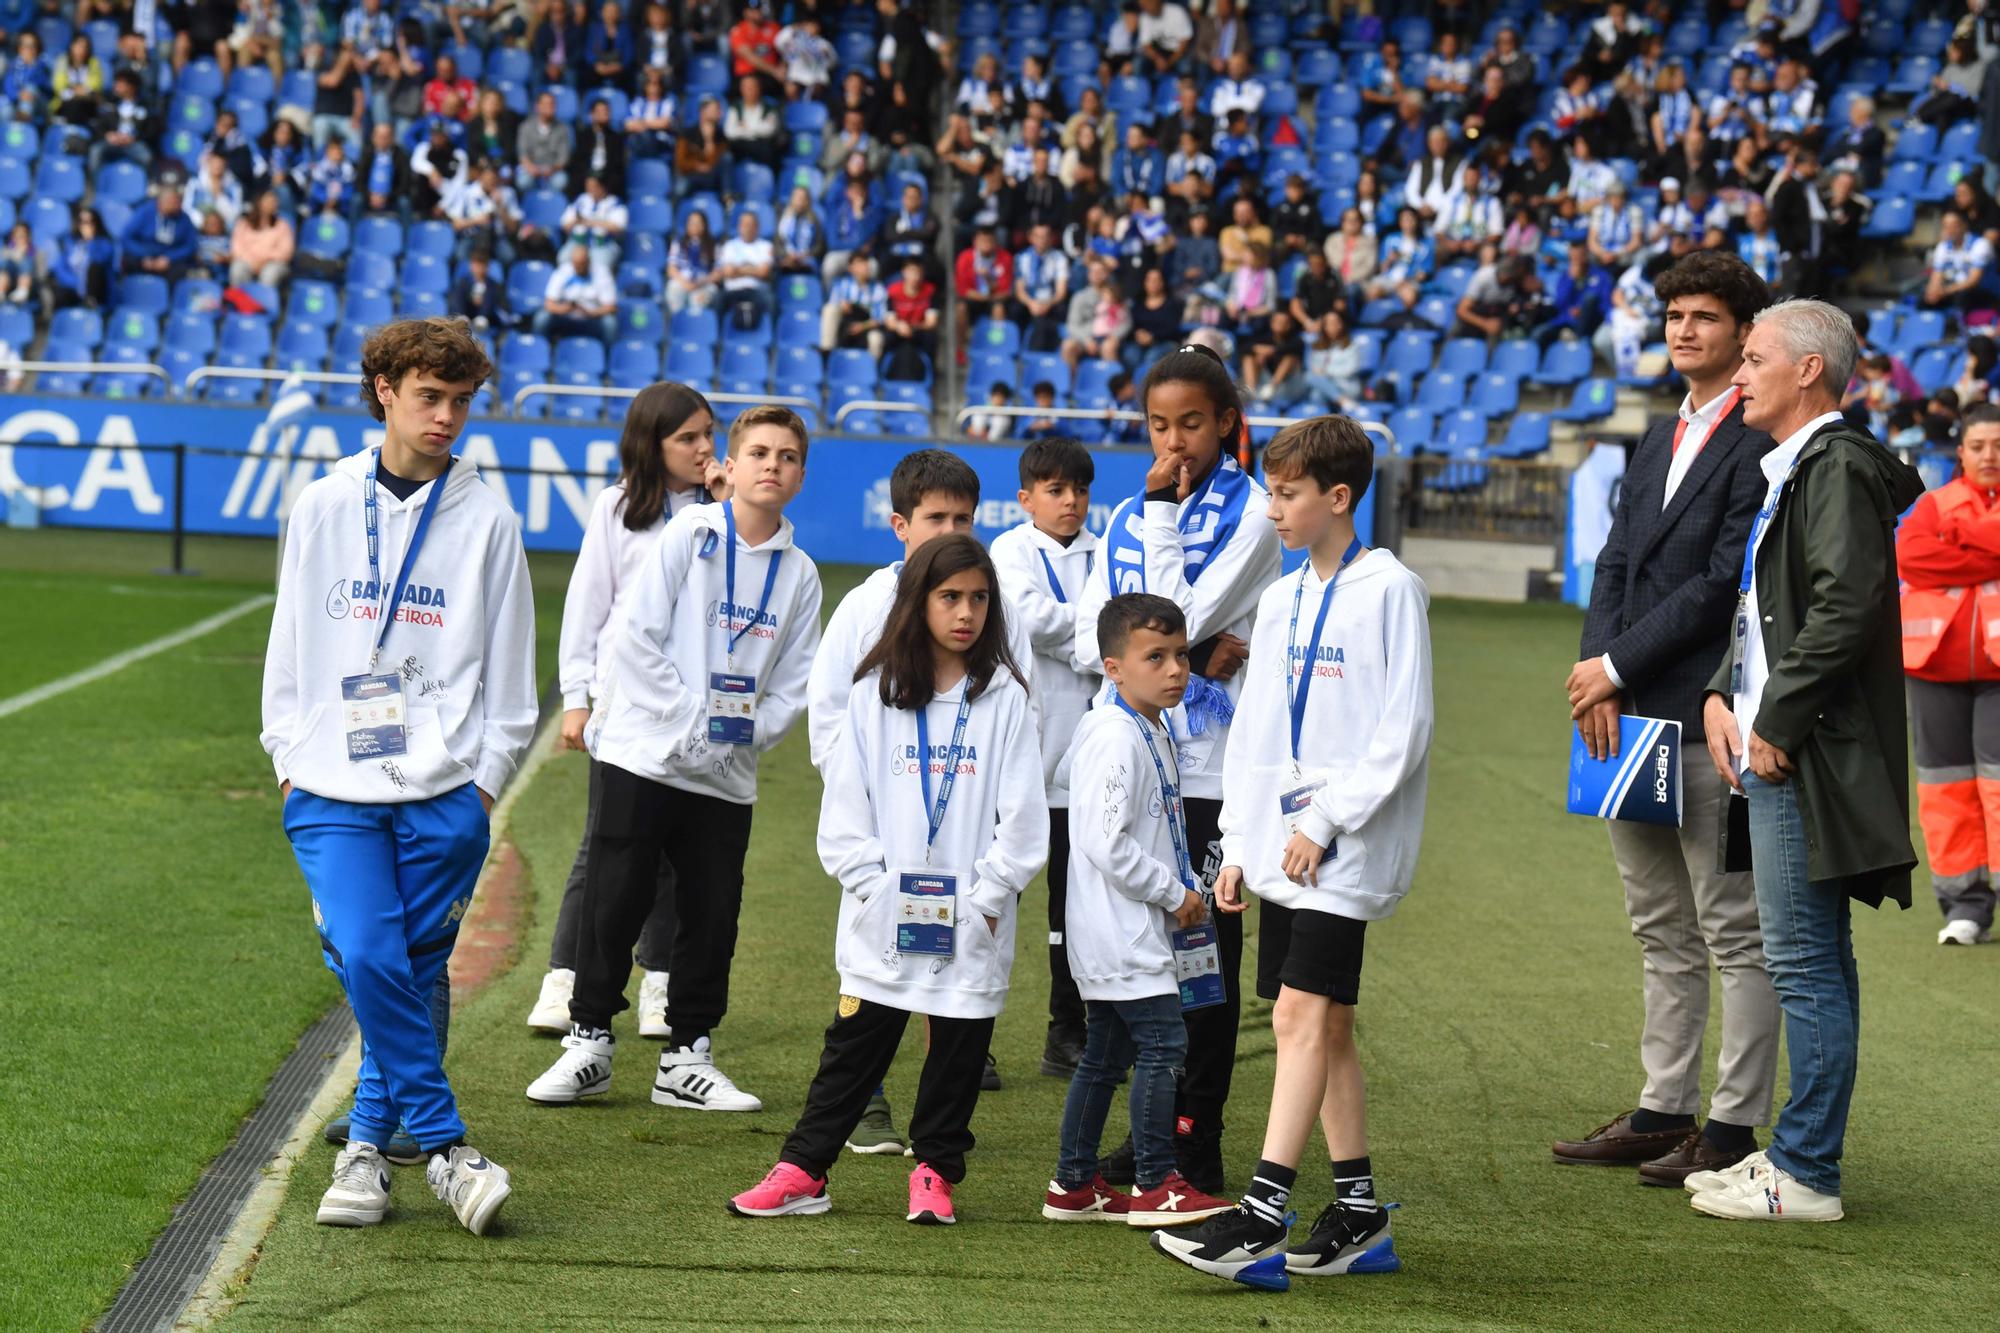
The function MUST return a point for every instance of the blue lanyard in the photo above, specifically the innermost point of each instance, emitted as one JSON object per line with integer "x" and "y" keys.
{"x": 1055, "y": 584}
{"x": 1762, "y": 521}
{"x": 729, "y": 581}
{"x": 371, "y": 516}
{"x": 934, "y": 811}
{"x": 1297, "y": 689}
{"x": 1170, "y": 793}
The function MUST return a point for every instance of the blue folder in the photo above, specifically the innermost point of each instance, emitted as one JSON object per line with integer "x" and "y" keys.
{"x": 1643, "y": 784}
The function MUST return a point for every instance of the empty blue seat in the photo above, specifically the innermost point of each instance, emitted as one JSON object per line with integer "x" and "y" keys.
{"x": 995, "y": 335}
{"x": 48, "y": 219}
{"x": 1919, "y": 329}
{"x": 424, "y": 273}
{"x": 1441, "y": 391}
{"x": 143, "y": 292}
{"x": 850, "y": 365}
{"x": 325, "y": 236}
{"x": 526, "y": 282}
{"x": 1594, "y": 399}
{"x": 299, "y": 89}
{"x": 242, "y": 392}
{"x": 1495, "y": 393}
{"x": 419, "y": 303}
{"x": 1913, "y": 75}
{"x": 1463, "y": 356}
{"x": 61, "y": 176}
{"x": 246, "y": 335}
{"x": 798, "y": 327}
{"x": 632, "y": 359}
{"x": 299, "y": 340}
{"x": 1408, "y": 354}
{"x": 367, "y": 309}
{"x": 16, "y": 180}
{"x": 1527, "y": 435}
{"x": 132, "y": 329}
{"x": 1894, "y": 217}
{"x": 366, "y": 268}
{"x": 640, "y": 321}
{"x": 525, "y": 352}
{"x": 1093, "y": 377}
{"x": 544, "y": 209}
{"x": 76, "y": 324}
{"x": 1960, "y": 143}
{"x": 430, "y": 238}
{"x": 1413, "y": 429}
{"x": 800, "y": 291}
{"x": 1043, "y": 368}
{"x": 690, "y": 361}
{"x": 1567, "y": 361}
{"x": 379, "y": 235}
{"x": 1904, "y": 177}
{"x": 122, "y": 181}
{"x": 579, "y": 356}
{"x": 1516, "y": 358}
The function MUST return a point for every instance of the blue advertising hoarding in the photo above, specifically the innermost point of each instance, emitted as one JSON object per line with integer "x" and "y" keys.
{"x": 81, "y": 462}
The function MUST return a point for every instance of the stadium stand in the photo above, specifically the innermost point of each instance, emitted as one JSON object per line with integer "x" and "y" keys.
{"x": 1488, "y": 200}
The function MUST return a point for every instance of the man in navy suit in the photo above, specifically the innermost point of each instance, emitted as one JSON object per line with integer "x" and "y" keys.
{"x": 1658, "y": 622}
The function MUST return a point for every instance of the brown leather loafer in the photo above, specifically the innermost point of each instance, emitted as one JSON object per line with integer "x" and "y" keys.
{"x": 1695, "y": 1153}
{"x": 1618, "y": 1144}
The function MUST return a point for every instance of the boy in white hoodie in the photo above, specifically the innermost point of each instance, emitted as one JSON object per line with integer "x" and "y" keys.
{"x": 708, "y": 672}
{"x": 1322, "y": 815}
{"x": 932, "y": 492}
{"x": 399, "y": 697}
{"x": 1132, "y": 883}
{"x": 1044, "y": 562}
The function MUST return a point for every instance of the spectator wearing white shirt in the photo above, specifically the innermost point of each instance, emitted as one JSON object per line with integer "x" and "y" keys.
{"x": 469, "y": 210}
{"x": 1617, "y": 230}
{"x": 1959, "y": 263}
{"x": 1434, "y": 176}
{"x": 1791, "y": 107}
{"x": 1165, "y": 32}
{"x": 809, "y": 57}
{"x": 1448, "y": 77}
{"x": 580, "y": 301}
{"x": 438, "y": 168}
{"x": 745, "y": 264}
{"x": 856, "y": 310}
{"x": 215, "y": 190}
{"x": 1590, "y": 180}
{"x": 1236, "y": 91}
{"x": 596, "y": 219}
{"x": 1469, "y": 217}
{"x": 752, "y": 127}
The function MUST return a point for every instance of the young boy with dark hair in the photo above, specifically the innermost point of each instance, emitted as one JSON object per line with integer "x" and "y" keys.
{"x": 932, "y": 492}
{"x": 1322, "y": 814}
{"x": 395, "y": 710}
{"x": 1132, "y": 883}
{"x": 1043, "y": 563}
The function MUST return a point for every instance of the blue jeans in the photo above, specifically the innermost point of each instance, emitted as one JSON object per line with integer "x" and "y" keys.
{"x": 390, "y": 884}
{"x": 1148, "y": 1037}
{"x": 1809, "y": 952}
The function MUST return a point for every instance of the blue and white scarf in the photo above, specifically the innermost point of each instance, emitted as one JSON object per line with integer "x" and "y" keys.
{"x": 1210, "y": 518}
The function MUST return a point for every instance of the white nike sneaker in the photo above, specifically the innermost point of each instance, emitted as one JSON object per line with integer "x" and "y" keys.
{"x": 583, "y": 1069}
{"x": 1754, "y": 1167}
{"x": 689, "y": 1079}
{"x": 359, "y": 1195}
{"x": 551, "y": 1011}
{"x": 1775, "y": 1196}
{"x": 473, "y": 1185}
{"x": 1963, "y": 932}
{"x": 653, "y": 1005}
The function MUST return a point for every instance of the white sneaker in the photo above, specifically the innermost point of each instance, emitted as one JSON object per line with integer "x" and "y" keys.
{"x": 551, "y": 1011}
{"x": 689, "y": 1079}
{"x": 359, "y": 1195}
{"x": 583, "y": 1069}
{"x": 1963, "y": 932}
{"x": 653, "y": 1005}
{"x": 474, "y": 1186}
{"x": 1776, "y": 1196}
{"x": 1754, "y": 1167}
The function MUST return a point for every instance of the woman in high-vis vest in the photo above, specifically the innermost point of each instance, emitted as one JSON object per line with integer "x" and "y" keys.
{"x": 1948, "y": 556}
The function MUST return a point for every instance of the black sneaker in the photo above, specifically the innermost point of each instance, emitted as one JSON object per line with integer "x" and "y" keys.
{"x": 1345, "y": 1240}
{"x": 1237, "y": 1245}
{"x": 989, "y": 1077}
{"x": 1120, "y": 1167}
{"x": 1199, "y": 1156}
{"x": 1062, "y": 1052}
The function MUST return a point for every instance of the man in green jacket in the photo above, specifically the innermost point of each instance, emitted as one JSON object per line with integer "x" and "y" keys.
{"x": 1805, "y": 718}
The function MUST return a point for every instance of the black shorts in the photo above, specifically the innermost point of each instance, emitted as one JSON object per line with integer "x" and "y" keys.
{"x": 1315, "y": 952}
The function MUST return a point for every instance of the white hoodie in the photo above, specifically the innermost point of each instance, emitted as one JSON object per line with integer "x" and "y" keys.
{"x": 463, "y": 640}
{"x": 1224, "y": 599}
{"x": 1367, "y": 731}
{"x": 995, "y": 838}
{"x": 652, "y": 719}
{"x": 611, "y": 556}
{"x": 1124, "y": 881}
{"x": 1045, "y": 608}
{"x": 850, "y": 633}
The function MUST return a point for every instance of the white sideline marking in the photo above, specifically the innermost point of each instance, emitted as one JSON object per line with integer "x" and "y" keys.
{"x": 119, "y": 661}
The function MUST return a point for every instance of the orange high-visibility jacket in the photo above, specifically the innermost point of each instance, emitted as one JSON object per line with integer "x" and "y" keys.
{"x": 1948, "y": 556}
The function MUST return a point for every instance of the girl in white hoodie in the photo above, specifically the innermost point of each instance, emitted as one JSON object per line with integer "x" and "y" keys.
{"x": 934, "y": 820}
{"x": 399, "y": 697}
{"x": 666, "y": 462}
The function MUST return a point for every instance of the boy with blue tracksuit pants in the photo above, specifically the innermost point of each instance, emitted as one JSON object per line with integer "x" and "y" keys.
{"x": 399, "y": 698}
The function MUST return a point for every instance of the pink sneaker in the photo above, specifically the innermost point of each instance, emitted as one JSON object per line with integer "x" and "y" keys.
{"x": 786, "y": 1190}
{"x": 930, "y": 1198}
{"x": 1095, "y": 1202}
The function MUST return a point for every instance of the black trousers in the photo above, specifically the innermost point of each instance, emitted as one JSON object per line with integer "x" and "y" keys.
{"x": 1065, "y": 1005}
{"x": 656, "y": 941}
{"x": 860, "y": 1045}
{"x": 704, "y": 838}
{"x": 1211, "y": 1052}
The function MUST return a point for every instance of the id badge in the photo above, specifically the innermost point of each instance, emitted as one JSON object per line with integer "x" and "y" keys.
{"x": 1737, "y": 643}
{"x": 374, "y": 717}
{"x": 732, "y": 709}
{"x": 926, "y": 913}
{"x": 1292, "y": 807}
{"x": 1198, "y": 965}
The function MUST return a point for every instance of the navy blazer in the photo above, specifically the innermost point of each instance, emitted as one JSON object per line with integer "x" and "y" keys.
{"x": 1666, "y": 580}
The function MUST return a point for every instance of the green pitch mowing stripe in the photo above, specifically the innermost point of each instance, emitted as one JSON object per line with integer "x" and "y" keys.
{"x": 1499, "y": 1010}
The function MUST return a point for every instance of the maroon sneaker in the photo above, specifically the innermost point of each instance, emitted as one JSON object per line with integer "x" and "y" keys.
{"x": 1172, "y": 1203}
{"x": 1095, "y": 1202}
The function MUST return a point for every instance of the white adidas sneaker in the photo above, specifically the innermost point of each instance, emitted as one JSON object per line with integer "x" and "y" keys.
{"x": 583, "y": 1069}
{"x": 1774, "y": 1196}
{"x": 359, "y": 1195}
{"x": 472, "y": 1184}
{"x": 653, "y": 1005}
{"x": 689, "y": 1080}
{"x": 1963, "y": 932}
{"x": 551, "y": 1011}
{"x": 1755, "y": 1167}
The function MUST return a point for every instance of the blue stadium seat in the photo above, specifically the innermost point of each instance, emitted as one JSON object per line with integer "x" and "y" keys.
{"x": 419, "y": 303}
{"x": 797, "y": 364}
{"x": 367, "y": 309}
{"x": 1441, "y": 391}
{"x": 1893, "y": 218}
{"x": 798, "y": 327}
{"x": 1516, "y": 358}
{"x": 16, "y": 180}
{"x": 370, "y": 269}
{"x": 347, "y": 341}
{"x": 300, "y": 342}
{"x": 61, "y": 176}
{"x": 525, "y": 353}
{"x": 544, "y": 209}
{"x": 762, "y": 335}
{"x": 985, "y": 369}
{"x": 707, "y": 73}
{"x": 123, "y": 181}
{"x": 76, "y": 324}
{"x": 742, "y": 362}
{"x": 1595, "y": 398}
{"x": 1566, "y": 362}
{"x": 430, "y": 238}
{"x": 424, "y": 273}
{"x": 132, "y": 329}
{"x": 634, "y": 360}
{"x": 1464, "y": 356}
{"x": 640, "y": 321}
{"x": 526, "y": 282}
{"x": 1043, "y": 367}
{"x": 192, "y": 331}
{"x": 246, "y": 335}
{"x": 511, "y": 64}
{"x": 579, "y": 356}
{"x": 20, "y": 140}
{"x": 1463, "y": 428}
{"x": 691, "y": 362}
{"x": 640, "y": 281}
{"x": 692, "y": 325}
{"x": 1527, "y": 435}
{"x": 850, "y": 365}
{"x": 1495, "y": 393}
{"x": 143, "y": 292}
{"x": 17, "y": 326}
{"x": 1093, "y": 378}
{"x": 240, "y": 392}
{"x": 1904, "y": 178}
{"x": 1414, "y": 430}
{"x": 252, "y": 118}
{"x": 1960, "y": 143}
{"x": 299, "y": 89}
{"x": 48, "y": 219}
{"x": 1938, "y": 185}
{"x": 1936, "y": 367}
{"x": 649, "y": 176}
{"x": 650, "y": 214}
{"x": 379, "y": 235}
{"x": 325, "y": 236}
{"x": 1408, "y": 354}
{"x": 1919, "y": 329}
{"x": 995, "y": 335}
{"x": 801, "y": 291}
{"x": 1913, "y": 75}
{"x": 201, "y": 77}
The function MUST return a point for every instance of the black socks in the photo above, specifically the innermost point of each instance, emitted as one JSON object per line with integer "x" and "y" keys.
{"x": 1728, "y": 1138}
{"x": 1270, "y": 1193}
{"x": 1659, "y": 1122}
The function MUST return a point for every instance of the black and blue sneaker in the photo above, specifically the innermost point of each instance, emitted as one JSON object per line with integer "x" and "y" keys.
{"x": 1237, "y": 1245}
{"x": 1345, "y": 1240}
{"x": 400, "y": 1149}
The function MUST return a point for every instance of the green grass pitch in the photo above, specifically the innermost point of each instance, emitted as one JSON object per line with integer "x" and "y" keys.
{"x": 158, "y": 962}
